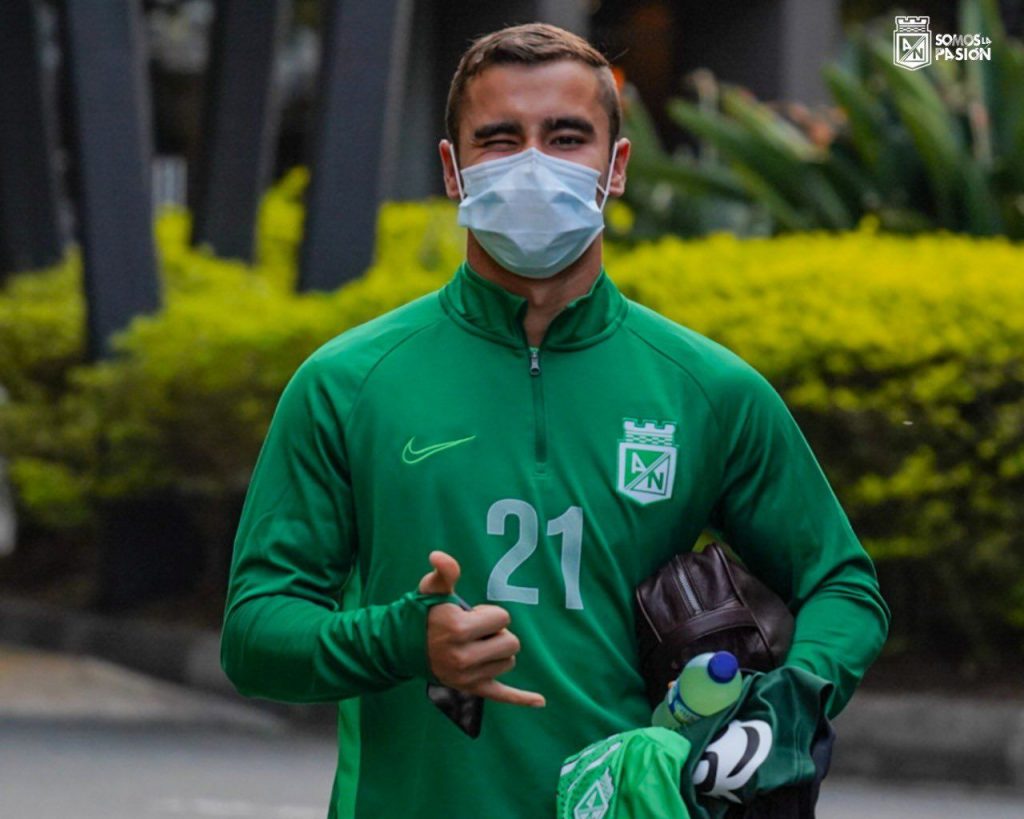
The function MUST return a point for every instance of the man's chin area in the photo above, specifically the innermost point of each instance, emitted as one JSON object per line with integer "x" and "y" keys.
{"x": 528, "y": 278}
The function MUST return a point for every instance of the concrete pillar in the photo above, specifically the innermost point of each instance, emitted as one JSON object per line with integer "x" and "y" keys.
{"x": 112, "y": 148}
{"x": 366, "y": 45}
{"x": 240, "y": 125}
{"x": 29, "y": 225}
{"x": 810, "y": 36}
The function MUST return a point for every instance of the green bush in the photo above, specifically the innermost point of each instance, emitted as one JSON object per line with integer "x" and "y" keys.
{"x": 185, "y": 404}
{"x": 903, "y": 359}
{"x": 42, "y": 331}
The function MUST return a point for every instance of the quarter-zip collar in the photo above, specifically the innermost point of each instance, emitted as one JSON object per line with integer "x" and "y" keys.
{"x": 489, "y": 310}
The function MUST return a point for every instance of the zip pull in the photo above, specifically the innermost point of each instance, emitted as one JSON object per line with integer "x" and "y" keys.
{"x": 534, "y": 361}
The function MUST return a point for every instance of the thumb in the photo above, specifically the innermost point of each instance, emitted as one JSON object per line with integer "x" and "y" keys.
{"x": 443, "y": 578}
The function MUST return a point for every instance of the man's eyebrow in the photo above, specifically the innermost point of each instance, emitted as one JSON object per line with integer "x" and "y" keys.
{"x": 508, "y": 127}
{"x": 568, "y": 124}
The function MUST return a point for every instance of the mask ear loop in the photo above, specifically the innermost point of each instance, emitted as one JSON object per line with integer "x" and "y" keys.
{"x": 458, "y": 175}
{"x": 608, "y": 185}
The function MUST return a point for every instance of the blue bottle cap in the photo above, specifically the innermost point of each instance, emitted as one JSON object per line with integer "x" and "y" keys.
{"x": 723, "y": 666}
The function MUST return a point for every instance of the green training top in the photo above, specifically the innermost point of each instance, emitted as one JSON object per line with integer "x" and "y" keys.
{"x": 559, "y": 478}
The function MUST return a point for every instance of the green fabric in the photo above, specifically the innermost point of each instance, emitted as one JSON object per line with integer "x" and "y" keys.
{"x": 424, "y": 429}
{"x": 631, "y": 775}
{"x": 787, "y": 703}
{"x": 759, "y": 744}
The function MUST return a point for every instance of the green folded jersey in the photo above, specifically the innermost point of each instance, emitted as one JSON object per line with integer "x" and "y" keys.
{"x": 631, "y": 775}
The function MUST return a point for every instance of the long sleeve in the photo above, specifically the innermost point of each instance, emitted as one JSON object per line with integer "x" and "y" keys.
{"x": 778, "y": 512}
{"x": 285, "y": 635}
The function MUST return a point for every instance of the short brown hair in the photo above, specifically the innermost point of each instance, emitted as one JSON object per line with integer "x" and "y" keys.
{"x": 530, "y": 44}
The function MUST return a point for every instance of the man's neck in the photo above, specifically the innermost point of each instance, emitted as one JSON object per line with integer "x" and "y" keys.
{"x": 545, "y": 298}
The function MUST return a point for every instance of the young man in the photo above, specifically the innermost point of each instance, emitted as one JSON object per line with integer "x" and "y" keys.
{"x": 546, "y": 444}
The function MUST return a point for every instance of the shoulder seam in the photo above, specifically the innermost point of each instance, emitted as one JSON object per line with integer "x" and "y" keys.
{"x": 686, "y": 370}
{"x": 362, "y": 384}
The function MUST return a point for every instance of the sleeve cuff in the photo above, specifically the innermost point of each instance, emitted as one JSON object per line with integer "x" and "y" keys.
{"x": 411, "y": 635}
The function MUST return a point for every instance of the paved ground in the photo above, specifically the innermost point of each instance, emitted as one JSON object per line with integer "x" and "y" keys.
{"x": 136, "y": 769}
{"x": 90, "y": 739}
{"x": 898, "y": 737}
{"x": 862, "y": 799}
{"x": 70, "y": 688}
{"x": 143, "y": 771}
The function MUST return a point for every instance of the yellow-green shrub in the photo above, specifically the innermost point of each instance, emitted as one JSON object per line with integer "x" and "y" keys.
{"x": 42, "y": 330}
{"x": 901, "y": 357}
{"x": 903, "y": 360}
{"x": 186, "y": 402}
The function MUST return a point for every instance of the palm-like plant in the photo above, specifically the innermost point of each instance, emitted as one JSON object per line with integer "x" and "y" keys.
{"x": 920, "y": 150}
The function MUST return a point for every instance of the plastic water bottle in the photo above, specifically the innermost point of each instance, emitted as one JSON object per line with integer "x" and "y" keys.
{"x": 709, "y": 683}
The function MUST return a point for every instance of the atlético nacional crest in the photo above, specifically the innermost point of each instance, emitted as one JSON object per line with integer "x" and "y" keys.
{"x": 595, "y": 802}
{"x": 647, "y": 461}
{"x": 911, "y": 43}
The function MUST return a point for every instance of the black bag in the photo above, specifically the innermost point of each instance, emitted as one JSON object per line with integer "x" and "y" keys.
{"x": 703, "y": 601}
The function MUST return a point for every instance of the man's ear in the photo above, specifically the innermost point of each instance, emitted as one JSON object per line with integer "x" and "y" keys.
{"x": 617, "y": 184}
{"x": 451, "y": 183}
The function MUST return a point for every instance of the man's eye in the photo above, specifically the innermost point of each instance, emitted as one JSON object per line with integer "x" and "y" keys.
{"x": 498, "y": 143}
{"x": 568, "y": 139}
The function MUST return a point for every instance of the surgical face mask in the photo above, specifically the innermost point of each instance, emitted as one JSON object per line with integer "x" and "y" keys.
{"x": 534, "y": 214}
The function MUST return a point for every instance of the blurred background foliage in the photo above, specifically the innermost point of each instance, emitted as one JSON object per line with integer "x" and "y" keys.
{"x": 941, "y": 147}
{"x": 869, "y": 272}
{"x": 902, "y": 358}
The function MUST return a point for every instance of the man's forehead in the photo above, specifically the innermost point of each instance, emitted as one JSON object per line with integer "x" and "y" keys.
{"x": 542, "y": 91}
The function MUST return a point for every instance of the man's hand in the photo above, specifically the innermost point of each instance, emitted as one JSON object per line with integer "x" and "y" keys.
{"x": 468, "y": 649}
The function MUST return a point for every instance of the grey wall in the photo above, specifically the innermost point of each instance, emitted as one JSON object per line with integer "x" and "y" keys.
{"x": 776, "y": 48}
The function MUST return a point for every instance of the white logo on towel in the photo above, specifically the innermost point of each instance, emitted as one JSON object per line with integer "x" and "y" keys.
{"x": 595, "y": 802}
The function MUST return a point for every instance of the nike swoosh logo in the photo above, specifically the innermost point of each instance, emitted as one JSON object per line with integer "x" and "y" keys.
{"x": 414, "y": 456}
